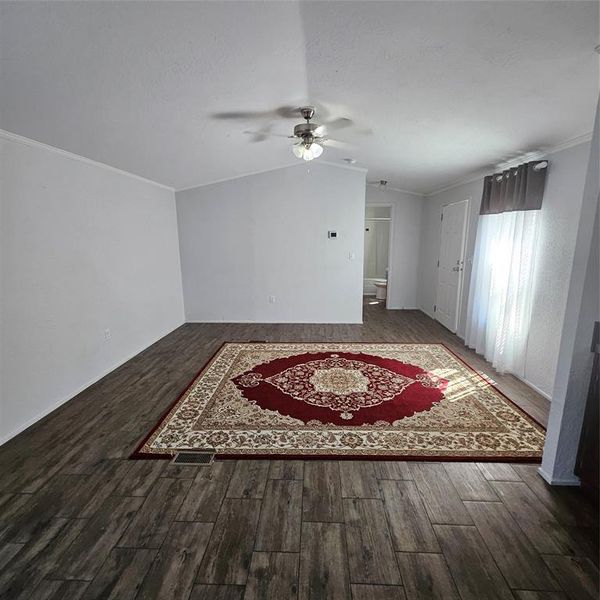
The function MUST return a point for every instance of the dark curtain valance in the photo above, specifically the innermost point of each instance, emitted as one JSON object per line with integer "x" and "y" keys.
{"x": 520, "y": 188}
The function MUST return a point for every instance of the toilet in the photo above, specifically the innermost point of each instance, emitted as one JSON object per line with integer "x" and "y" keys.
{"x": 381, "y": 290}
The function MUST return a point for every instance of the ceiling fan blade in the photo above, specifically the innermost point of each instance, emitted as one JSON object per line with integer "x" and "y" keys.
{"x": 258, "y": 136}
{"x": 285, "y": 112}
{"x": 288, "y": 112}
{"x": 241, "y": 115}
{"x": 328, "y": 142}
{"x": 262, "y": 135}
{"x": 339, "y": 123}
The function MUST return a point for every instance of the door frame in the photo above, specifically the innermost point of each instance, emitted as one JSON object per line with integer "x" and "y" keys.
{"x": 392, "y": 208}
{"x": 463, "y": 251}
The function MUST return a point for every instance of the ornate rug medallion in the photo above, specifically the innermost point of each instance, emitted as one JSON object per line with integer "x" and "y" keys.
{"x": 341, "y": 388}
{"x": 378, "y": 400}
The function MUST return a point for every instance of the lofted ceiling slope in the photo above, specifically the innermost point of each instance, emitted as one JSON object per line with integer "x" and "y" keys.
{"x": 436, "y": 89}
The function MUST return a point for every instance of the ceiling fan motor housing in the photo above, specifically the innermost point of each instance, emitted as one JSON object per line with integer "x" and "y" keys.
{"x": 307, "y": 132}
{"x": 305, "y": 129}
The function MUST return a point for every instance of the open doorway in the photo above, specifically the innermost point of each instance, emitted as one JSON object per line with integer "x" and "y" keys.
{"x": 378, "y": 221}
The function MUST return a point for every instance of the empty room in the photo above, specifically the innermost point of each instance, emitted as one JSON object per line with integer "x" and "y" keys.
{"x": 299, "y": 300}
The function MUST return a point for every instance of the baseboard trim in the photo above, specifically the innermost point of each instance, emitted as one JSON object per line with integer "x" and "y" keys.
{"x": 426, "y": 312}
{"x": 573, "y": 481}
{"x": 523, "y": 379}
{"x": 533, "y": 387}
{"x": 200, "y": 321}
{"x": 80, "y": 389}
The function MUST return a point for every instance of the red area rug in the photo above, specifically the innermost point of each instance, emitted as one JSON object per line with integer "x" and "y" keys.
{"x": 344, "y": 400}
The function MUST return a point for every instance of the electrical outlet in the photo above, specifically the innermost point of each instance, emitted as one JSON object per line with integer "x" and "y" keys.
{"x": 107, "y": 335}
{"x": 271, "y": 299}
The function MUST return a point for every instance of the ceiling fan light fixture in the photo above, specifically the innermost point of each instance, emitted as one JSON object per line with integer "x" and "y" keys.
{"x": 316, "y": 150}
{"x": 298, "y": 150}
{"x": 307, "y": 151}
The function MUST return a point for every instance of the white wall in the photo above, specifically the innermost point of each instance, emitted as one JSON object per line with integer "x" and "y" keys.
{"x": 575, "y": 358}
{"x": 406, "y": 235}
{"x": 558, "y": 232}
{"x": 246, "y": 239}
{"x": 561, "y": 209}
{"x": 83, "y": 248}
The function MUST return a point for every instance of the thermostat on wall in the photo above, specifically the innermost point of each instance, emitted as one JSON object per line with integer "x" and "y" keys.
{"x": 332, "y": 234}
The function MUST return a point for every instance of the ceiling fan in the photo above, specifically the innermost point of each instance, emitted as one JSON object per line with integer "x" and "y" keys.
{"x": 310, "y": 137}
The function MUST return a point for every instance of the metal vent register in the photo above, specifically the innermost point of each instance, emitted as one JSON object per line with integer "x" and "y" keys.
{"x": 202, "y": 457}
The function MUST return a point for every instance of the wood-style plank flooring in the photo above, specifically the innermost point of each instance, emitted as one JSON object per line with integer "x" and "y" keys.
{"x": 79, "y": 521}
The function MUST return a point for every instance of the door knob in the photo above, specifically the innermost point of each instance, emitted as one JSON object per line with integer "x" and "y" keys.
{"x": 456, "y": 268}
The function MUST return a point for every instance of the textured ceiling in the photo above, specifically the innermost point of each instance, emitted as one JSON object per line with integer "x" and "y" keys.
{"x": 436, "y": 89}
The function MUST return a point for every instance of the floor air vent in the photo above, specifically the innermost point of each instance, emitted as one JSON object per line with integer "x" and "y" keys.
{"x": 204, "y": 457}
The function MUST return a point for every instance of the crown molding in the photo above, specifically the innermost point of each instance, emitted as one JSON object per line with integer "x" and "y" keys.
{"x": 225, "y": 179}
{"x": 344, "y": 166}
{"x": 458, "y": 182}
{"x": 579, "y": 139}
{"x": 288, "y": 166}
{"x": 19, "y": 139}
{"x": 525, "y": 157}
{"x": 395, "y": 189}
{"x": 473, "y": 176}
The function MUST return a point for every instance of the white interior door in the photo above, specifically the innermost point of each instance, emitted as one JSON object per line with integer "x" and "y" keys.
{"x": 451, "y": 263}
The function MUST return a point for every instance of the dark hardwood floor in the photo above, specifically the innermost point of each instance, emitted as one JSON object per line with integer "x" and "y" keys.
{"x": 78, "y": 520}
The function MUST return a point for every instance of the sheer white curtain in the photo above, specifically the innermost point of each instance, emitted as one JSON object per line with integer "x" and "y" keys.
{"x": 501, "y": 290}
